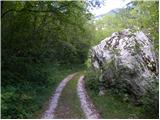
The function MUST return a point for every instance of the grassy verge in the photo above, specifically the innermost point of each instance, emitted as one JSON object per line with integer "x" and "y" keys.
{"x": 115, "y": 105}
{"x": 26, "y": 99}
{"x": 69, "y": 104}
{"x": 111, "y": 107}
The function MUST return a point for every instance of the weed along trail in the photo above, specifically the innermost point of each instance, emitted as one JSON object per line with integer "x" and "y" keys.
{"x": 86, "y": 104}
{"x": 49, "y": 113}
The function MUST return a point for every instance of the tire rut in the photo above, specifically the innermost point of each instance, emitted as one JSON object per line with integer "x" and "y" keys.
{"x": 86, "y": 104}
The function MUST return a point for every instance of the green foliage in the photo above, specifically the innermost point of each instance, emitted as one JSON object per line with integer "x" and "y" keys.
{"x": 35, "y": 33}
{"x": 119, "y": 102}
{"x": 138, "y": 15}
{"x": 116, "y": 99}
{"x": 20, "y": 89}
{"x": 20, "y": 72}
{"x": 25, "y": 99}
{"x": 107, "y": 79}
{"x": 49, "y": 29}
{"x": 117, "y": 109}
{"x": 147, "y": 14}
{"x": 92, "y": 80}
{"x": 116, "y": 87}
{"x": 38, "y": 32}
{"x": 120, "y": 89}
{"x": 151, "y": 102}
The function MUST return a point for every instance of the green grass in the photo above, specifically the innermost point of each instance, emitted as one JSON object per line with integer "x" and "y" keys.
{"x": 111, "y": 107}
{"x": 56, "y": 73}
{"x": 69, "y": 103}
{"x": 28, "y": 100}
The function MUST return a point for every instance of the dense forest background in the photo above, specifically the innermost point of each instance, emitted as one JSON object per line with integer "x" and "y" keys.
{"x": 36, "y": 35}
{"x": 45, "y": 40}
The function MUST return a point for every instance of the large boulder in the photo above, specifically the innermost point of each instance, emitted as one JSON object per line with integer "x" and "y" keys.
{"x": 126, "y": 58}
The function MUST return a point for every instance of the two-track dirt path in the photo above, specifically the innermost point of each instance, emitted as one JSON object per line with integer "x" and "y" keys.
{"x": 49, "y": 113}
{"x": 70, "y": 100}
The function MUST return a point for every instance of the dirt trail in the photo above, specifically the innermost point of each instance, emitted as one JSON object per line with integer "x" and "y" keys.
{"x": 49, "y": 113}
{"x": 79, "y": 106}
{"x": 86, "y": 104}
{"x": 69, "y": 106}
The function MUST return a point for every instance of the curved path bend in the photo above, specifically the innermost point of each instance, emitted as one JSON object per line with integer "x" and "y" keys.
{"x": 49, "y": 113}
{"x": 86, "y": 104}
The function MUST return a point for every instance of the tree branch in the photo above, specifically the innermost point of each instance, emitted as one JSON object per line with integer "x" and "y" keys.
{"x": 25, "y": 10}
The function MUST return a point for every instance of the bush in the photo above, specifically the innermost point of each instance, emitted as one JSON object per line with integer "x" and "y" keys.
{"x": 151, "y": 102}
{"x": 92, "y": 80}
{"x": 20, "y": 70}
{"x": 21, "y": 83}
{"x": 148, "y": 103}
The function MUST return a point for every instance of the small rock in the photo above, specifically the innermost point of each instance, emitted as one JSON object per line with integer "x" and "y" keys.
{"x": 101, "y": 93}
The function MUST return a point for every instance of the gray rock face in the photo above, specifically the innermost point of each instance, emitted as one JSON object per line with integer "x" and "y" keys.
{"x": 127, "y": 58}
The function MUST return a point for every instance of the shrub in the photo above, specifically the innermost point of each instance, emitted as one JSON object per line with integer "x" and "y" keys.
{"x": 151, "y": 102}
{"x": 92, "y": 80}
